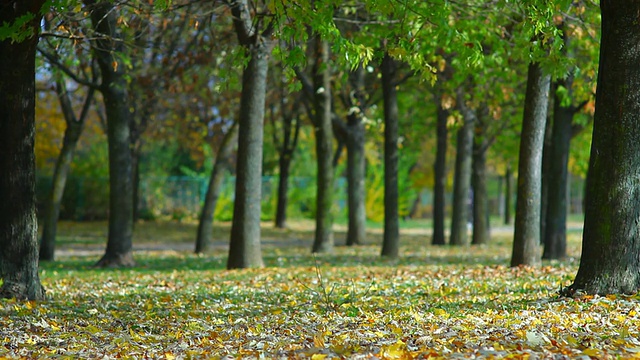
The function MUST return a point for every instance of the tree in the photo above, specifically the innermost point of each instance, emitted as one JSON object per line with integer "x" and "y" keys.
{"x": 391, "y": 236}
{"x": 440, "y": 170}
{"x": 254, "y": 36}
{"x": 18, "y": 222}
{"x": 462, "y": 179}
{"x": 205, "y": 223}
{"x": 114, "y": 92}
{"x": 72, "y": 134}
{"x": 527, "y": 224}
{"x": 611, "y": 240}
{"x": 324, "y": 240}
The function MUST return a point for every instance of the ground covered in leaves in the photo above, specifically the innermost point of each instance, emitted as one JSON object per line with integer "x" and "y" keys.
{"x": 434, "y": 302}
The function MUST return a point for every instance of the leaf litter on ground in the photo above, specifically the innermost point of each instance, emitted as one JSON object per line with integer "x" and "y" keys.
{"x": 434, "y": 302}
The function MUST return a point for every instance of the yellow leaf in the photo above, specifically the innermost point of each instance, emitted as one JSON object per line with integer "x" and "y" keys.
{"x": 169, "y": 356}
{"x": 318, "y": 356}
{"x": 592, "y": 352}
{"x": 395, "y": 351}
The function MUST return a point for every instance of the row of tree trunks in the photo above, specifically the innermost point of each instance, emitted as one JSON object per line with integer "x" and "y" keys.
{"x": 18, "y": 222}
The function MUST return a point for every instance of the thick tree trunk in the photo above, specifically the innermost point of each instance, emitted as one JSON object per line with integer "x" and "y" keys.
{"x": 63, "y": 165}
{"x": 462, "y": 176}
{"x": 391, "y": 237}
{"x": 555, "y": 236}
{"x": 481, "y": 229}
{"x": 324, "y": 240}
{"x": 508, "y": 180}
{"x": 114, "y": 92}
{"x": 527, "y": 225}
{"x": 440, "y": 175}
{"x": 18, "y": 222}
{"x": 611, "y": 239}
{"x": 245, "y": 248}
{"x": 205, "y": 224}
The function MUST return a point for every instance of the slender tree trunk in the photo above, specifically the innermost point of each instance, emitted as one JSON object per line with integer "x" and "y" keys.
{"x": 324, "y": 240}
{"x": 356, "y": 233}
{"x": 391, "y": 237}
{"x": 289, "y": 143}
{"x": 63, "y": 165}
{"x": 555, "y": 237}
{"x": 205, "y": 224}
{"x": 462, "y": 176}
{"x": 18, "y": 222}
{"x": 611, "y": 238}
{"x": 481, "y": 229}
{"x": 508, "y": 180}
{"x": 245, "y": 248}
{"x": 283, "y": 190}
{"x": 136, "y": 153}
{"x": 547, "y": 151}
{"x": 440, "y": 175}
{"x": 527, "y": 226}
{"x": 114, "y": 92}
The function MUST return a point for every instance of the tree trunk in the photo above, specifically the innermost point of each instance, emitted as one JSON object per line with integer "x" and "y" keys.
{"x": 462, "y": 176}
{"x": 283, "y": 191}
{"x": 288, "y": 147}
{"x": 611, "y": 238}
{"x": 205, "y": 223}
{"x": 18, "y": 222}
{"x": 63, "y": 165}
{"x": 547, "y": 150}
{"x": 324, "y": 240}
{"x": 356, "y": 233}
{"x": 391, "y": 237}
{"x": 481, "y": 229}
{"x": 508, "y": 179}
{"x": 114, "y": 92}
{"x": 440, "y": 175}
{"x": 245, "y": 248}
{"x": 555, "y": 236}
{"x": 527, "y": 226}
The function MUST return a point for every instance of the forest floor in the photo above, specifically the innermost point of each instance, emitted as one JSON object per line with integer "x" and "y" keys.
{"x": 432, "y": 302}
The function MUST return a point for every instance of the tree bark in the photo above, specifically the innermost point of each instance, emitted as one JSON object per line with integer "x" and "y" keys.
{"x": 508, "y": 180}
{"x": 440, "y": 174}
{"x": 555, "y": 236}
{"x": 287, "y": 149}
{"x": 462, "y": 176}
{"x": 18, "y": 222}
{"x": 611, "y": 239}
{"x": 527, "y": 225}
{"x": 324, "y": 240}
{"x": 391, "y": 236}
{"x": 114, "y": 93}
{"x": 205, "y": 224}
{"x": 356, "y": 169}
{"x": 481, "y": 229}
{"x": 63, "y": 165}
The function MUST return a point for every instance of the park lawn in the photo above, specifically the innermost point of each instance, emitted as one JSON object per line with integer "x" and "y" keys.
{"x": 434, "y": 302}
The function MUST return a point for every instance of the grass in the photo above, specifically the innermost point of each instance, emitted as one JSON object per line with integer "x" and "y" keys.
{"x": 438, "y": 302}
